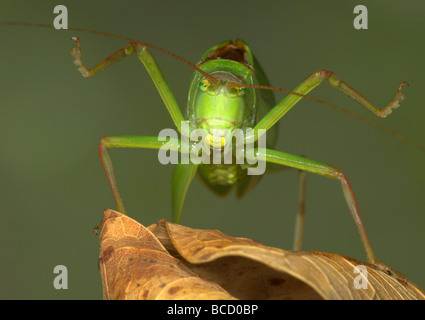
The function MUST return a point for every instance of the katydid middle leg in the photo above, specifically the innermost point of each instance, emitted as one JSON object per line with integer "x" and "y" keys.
{"x": 127, "y": 141}
{"x": 329, "y": 171}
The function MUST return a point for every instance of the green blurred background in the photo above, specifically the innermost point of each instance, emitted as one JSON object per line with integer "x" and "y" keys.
{"x": 53, "y": 189}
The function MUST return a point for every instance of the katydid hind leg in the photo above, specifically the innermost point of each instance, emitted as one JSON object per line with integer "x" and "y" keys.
{"x": 183, "y": 175}
{"x": 300, "y": 217}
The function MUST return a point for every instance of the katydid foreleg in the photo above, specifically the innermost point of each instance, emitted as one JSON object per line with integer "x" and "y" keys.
{"x": 313, "y": 81}
{"x": 151, "y": 66}
{"x": 119, "y": 55}
{"x": 134, "y": 141}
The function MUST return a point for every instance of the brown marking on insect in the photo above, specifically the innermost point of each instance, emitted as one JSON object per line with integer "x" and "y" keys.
{"x": 231, "y": 51}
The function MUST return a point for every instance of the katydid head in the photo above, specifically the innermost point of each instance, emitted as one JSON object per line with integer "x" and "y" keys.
{"x": 218, "y": 106}
{"x": 216, "y": 102}
{"x": 219, "y": 103}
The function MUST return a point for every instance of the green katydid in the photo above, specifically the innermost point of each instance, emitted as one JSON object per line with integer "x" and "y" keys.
{"x": 234, "y": 61}
{"x": 229, "y": 75}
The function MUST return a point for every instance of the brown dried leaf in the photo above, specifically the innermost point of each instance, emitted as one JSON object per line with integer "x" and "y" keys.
{"x": 170, "y": 261}
{"x": 134, "y": 265}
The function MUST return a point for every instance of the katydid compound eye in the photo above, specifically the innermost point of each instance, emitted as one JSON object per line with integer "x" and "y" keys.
{"x": 204, "y": 84}
{"x": 241, "y": 91}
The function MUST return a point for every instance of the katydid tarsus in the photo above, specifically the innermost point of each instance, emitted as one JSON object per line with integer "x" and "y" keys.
{"x": 229, "y": 90}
